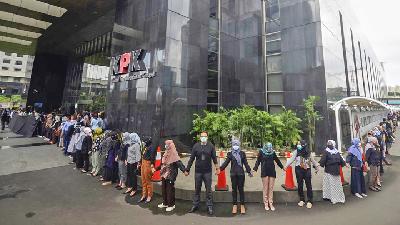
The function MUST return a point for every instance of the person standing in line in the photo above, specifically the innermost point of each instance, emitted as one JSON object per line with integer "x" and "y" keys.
{"x": 267, "y": 158}
{"x": 87, "y": 143}
{"x": 204, "y": 153}
{"x": 170, "y": 163}
{"x": 132, "y": 161}
{"x": 372, "y": 157}
{"x": 5, "y": 118}
{"x": 354, "y": 159}
{"x": 110, "y": 174}
{"x": 97, "y": 139}
{"x": 238, "y": 159}
{"x": 303, "y": 163}
{"x": 146, "y": 166}
{"x": 331, "y": 160}
{"x": 121, "y": 159}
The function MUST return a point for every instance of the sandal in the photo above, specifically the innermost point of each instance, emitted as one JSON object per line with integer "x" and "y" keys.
{"x": 128, "y": 191}
{"x": 133, "y": 193}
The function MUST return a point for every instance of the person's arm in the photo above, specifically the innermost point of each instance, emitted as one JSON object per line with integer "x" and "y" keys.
{"x": 245, "y": 163}
{"x": 191, "y": 159}
{"x": 181, "y": 166}
{"x": 322, "y": 161}
{"x": 342, "y": 161}
{"x": 349, "y": 158}
{"x": 226, "y": 163}
{"x": 258, "y": 161}
{"x": 278, "y": 161}
{"x": 291, "y": 159}
{"x": 315, "y": 163}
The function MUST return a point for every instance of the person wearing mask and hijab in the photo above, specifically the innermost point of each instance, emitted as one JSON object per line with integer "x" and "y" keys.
{"x": 170, "y": 163}
{"x": 204, "y": 153}
{"x": 132, "y": 161}
{"x": 237, "y": 173}
{"x": 87, "y": 143}
{"x": 331, "y": 160}
{"x": 78, "y": 148}
{"x": 97, "y": 139}
{"x": 146, "y": 166}
{"x": 354, "y": 158}
{"x": 110, "y": 173}
{"x": 121, "y": 159}
{"x": 303, "y": 163}
{"x": 267, "y": 158}
{"x": 372, "y": 158}
{"x": 105, "y": 145}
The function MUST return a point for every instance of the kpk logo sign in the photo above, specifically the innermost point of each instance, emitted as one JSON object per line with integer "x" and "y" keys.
{"x": 130, "y": 66}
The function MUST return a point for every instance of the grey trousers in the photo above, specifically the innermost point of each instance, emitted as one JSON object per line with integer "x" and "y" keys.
{"x": 122, "y": 171}
{"x": 96, "y": 162}
{"x": 199, "y": 178}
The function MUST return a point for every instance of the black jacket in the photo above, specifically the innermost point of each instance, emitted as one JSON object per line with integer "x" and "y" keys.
{"x": 353, "y": 161}
{"x": 86, "y": 145}
{"x": 267, "y": 164}
{"x": 174, "y": 170}
{"x": 236, "y": 169}
{"x": 204, "y": 155}
{"x": 332, "y": 163}
{"x": 372, "y": 156}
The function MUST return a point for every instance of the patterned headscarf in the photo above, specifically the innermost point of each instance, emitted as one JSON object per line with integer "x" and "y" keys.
{"x": 134, "y": 138}
{"x": 355, "y": 149}
{"x": 125, "y": 138}
{"x": 97, "y": 132}
{"x": 236, "y": 153}
{"x": 334, "y": 150}
{"x": 267, "y": 149}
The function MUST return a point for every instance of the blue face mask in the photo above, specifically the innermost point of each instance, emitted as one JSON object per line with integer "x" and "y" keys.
{"x": 299, "y": 147}
{"x": 203, "y": 139}
{"x": 235, "y": 147}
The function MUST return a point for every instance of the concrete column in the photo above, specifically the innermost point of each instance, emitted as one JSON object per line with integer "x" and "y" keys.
{"x": 338, "y": 130}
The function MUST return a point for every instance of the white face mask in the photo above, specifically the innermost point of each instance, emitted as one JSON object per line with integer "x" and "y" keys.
{"x": 203, "y": 139}
{"x": 235, "y": 147}
{"x": 166, "y": 146}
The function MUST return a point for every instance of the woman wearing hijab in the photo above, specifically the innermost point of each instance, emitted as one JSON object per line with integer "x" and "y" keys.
{"x": 304, "y": 161}
{"x": 105, "y": 146}
{"x": 267, "y": 158}
{"x": 238, "y": 159}
{"x": 97, "y": 139}
{"x": 170, "y": 163}
{"x": 146, "y": 166}
{"x": 331, "y": 160}
{"x": 110, "y": 174}
{"x": 132, "y": 161}
{"x": 87, "y": 143}
{"x": 121, "y": 158}
{"x": 372, "y": 158}
{"x": 354, "y": 158}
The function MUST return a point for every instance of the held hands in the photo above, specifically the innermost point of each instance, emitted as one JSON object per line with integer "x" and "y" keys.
{"x": 126, "y": 162}
{"x": 186, "y": 173}
{"x": 217, "y": 171}
{"x": 153, "y": 170}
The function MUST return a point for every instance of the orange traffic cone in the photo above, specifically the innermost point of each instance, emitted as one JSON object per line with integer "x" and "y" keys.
{"x": 342, "y": 177}
{"x": 157, "y": 176}
{"x": 289, "y": 182}
{"x": 221, "y": 184}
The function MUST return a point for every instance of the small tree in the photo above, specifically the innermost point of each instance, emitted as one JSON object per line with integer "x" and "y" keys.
{"x": 311, "y": 117}
{"x": 291, "y": 127}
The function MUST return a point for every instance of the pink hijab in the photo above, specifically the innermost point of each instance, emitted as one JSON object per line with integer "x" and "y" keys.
{"x": 171, "y": 155}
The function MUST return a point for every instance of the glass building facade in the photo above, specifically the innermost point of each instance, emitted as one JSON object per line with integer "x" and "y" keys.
{"x": 203, "y": 54}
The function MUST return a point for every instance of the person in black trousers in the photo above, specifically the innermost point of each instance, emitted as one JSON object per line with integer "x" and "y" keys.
{"x": 169, "y": 171}
{"x": 203, "y": 153}
{"x": 86, "y": 148}
{"x": 238, "y": 159}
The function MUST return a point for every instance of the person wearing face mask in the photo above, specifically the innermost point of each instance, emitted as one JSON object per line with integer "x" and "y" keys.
{"x": 331, "y": 160}
{"x": 87, "y": 143}
{"x": 354, "y": 158}
{"x": 148, "y": 160}
{"x": 204, "y": 153}
{"x": 170, "y": 163}
{"x": 238, "y": 159}
{"x": 267, "y": 158}
{"x": 304, "y": 160}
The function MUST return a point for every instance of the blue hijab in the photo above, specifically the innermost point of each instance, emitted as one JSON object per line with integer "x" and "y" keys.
{"x": 267, "y": 149}
{"x": 354, "y": 149}
{"x": 236, "y": 152}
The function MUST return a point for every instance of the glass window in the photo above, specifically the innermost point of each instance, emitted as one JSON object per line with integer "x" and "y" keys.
{"x": 275, "y": 98}
{"x": 17, "y": 69}
{"x": 274, "y": 64}
{"x": 4, "y": 68}
{"x": 275, "y": 82}
{"x": 212, "y": 44}
{"x": 212, "y": 61}
{"x": 273, "y": 36}
{"x": 212, "y": 97}
{"x": 275, "y": 109}
{"x": 273, "y": 47}
{"x": 18, "y": 62}
{"x": 272, "y": 9}
{"x": 6, "y": 61}
{"x": 212, "y": 80}
{"x": 272, "y": 26}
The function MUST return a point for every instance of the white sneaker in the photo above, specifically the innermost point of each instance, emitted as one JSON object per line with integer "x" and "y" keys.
{"x": 162, "y": 206}
{"x": 169, "y": 209}
{"x": 301, "y": 204}
{"x": 309, "y": 205}
{"x": 364, "y": 195}
{"x": 272, "y": 207}
{"x": 358, "y": 195}
{"x": 266, "y": 208}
